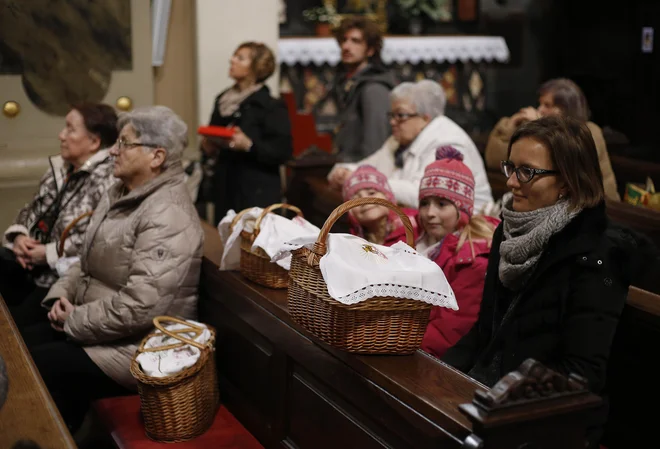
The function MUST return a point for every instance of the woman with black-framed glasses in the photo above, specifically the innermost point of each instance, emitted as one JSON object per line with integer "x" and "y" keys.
{"x": 558, "y": 273}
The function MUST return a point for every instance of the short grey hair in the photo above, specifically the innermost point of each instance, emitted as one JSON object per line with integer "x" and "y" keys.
{"x": 158, "y": 125}
{"x": 426, "y": 96}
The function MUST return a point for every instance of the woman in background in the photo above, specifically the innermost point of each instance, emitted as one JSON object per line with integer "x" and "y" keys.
{"x": 72, "y": 186}
{"x": 556, "y": 97}
{"x": 244, "y": 170}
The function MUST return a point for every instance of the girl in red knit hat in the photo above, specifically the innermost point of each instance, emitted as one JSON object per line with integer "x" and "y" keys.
{"x": 457, "y": 241}
{"x": 374, "y": 223}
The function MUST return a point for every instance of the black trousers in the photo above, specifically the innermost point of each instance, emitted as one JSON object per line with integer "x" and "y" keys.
{"x": 72, "y": 378}
{"x": 15, "y": 282}
{"x": 20, "y": 292}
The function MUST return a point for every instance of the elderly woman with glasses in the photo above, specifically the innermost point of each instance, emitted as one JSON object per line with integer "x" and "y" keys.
{"x": 141, "y": 258}
{"x": 558, "y": 272}
{"x": 419, "y": 128}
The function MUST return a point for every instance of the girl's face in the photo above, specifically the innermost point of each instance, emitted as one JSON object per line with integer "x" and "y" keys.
{"x": 439, "y": 216}
{"x": 369, "y": 214}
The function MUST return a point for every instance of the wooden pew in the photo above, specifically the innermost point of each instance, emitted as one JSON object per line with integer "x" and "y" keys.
{"x": 290, "y": 390}
{"x": 29, "y": 412}
{"x": 634, "y": 359}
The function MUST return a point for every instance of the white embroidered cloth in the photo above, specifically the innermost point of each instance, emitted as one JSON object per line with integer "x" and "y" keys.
{"x": 399, "y": 50}
{"x": 171, "y": 361}
{"x": 356, "y": 270}
{"x": 275, "y": 230}
{"x": 231, "y": 239}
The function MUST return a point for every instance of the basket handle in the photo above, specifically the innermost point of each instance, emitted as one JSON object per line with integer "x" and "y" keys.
{"x": 67, "y": 231}
{"x": 174, "y": 334}
{"x": 271, "y": 208}
{"x": 320, "y": 247}
{"x": 238, "y": 217}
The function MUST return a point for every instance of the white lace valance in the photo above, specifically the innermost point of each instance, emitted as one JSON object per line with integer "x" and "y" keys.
{"x": 400, "y": 50}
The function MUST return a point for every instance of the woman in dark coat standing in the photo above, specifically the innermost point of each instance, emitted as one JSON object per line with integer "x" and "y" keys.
{"x": 558, "y": 273}
{"x": 244, "y": 170}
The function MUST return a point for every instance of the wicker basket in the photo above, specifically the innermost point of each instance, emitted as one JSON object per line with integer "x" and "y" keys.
{"x": 380, "y": 325}
{"x": 183, "y": 406}
{"x": 256, "y": 264}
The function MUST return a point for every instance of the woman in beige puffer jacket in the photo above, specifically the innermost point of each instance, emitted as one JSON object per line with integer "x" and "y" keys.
{"x": 556, "y": 97}
{"x": 141, "y": 258}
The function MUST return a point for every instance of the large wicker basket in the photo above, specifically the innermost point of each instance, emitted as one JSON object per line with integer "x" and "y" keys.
{"x": 380, "y": 325}
{"x": 256, "y": 264}
{"x": 183, "y": 406}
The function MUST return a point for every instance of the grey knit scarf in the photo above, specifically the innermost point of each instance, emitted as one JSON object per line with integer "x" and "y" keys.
{"x": 526, "y": 234}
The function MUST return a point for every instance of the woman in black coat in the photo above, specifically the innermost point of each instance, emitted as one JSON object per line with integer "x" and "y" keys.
{"x": 558, "y": 273}
{"x": 244, "y": 171}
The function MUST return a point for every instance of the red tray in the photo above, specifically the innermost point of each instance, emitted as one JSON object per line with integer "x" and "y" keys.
{"x": 215, "y": 131}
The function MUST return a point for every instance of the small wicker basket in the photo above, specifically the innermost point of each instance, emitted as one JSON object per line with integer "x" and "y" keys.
{"x": 256, "y": 264}
{"x": 183, "y": 406}
{"x": 380, "y": 325}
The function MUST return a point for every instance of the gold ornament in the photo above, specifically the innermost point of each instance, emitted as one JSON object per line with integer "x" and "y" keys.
{"x": 11, "y": 109}
{"x": 124, "y": 104}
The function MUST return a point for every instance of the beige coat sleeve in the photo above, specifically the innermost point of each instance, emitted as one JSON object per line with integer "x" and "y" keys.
{"x": 609, "y": 180}
{"x": 65, "y": 286}
{"x": 165, "y": 263}
{"x": 498, "y": 143}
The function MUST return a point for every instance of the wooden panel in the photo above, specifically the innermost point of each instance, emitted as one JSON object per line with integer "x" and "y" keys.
{"x": 29, "y": 412}
{"x": 317, "y": 422}
{"x": 635, "y": 343}
{"x": 319, "y": 396}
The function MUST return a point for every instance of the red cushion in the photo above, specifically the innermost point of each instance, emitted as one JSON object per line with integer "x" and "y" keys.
{"x": 121, "y": 417}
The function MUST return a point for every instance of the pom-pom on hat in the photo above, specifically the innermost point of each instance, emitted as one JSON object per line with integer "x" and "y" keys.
{"x": 449, "y": 178}
{"x": 367, "y": 177}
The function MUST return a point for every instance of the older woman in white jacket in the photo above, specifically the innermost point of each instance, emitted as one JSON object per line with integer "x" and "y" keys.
{"x": 419, "y": 127}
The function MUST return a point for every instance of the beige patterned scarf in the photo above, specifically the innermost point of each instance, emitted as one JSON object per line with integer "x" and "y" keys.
{"x": 229, "y": 102}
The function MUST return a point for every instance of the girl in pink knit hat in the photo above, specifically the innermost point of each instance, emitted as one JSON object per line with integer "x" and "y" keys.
{"x": 457, "y": 241}
{"x": 377, "y": 224}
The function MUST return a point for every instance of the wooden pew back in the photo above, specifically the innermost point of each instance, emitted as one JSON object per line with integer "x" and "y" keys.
{"x": 634, "y": 358}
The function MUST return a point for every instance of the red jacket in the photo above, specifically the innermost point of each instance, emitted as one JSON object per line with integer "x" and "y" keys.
{"x": 398, "y": 233}
{"x": 466, "y": 275}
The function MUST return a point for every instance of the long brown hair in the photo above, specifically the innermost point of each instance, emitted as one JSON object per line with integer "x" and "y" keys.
{"x": 568, "y": 97}
{"x": 573, "y": 153}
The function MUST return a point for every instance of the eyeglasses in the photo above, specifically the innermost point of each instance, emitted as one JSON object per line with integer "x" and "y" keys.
{"x": 122, "y": 143}
{"x": 524, "y": 174}
{"x": 400, "y": 116}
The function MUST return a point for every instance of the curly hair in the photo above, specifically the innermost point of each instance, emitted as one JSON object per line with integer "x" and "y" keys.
{"x": 263, "y": 60}
{"x": 370, "y": 32}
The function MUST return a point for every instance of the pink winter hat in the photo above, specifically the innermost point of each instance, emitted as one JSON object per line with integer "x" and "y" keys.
{"x": 367, "y": 177}
{"x": 448, "y": 177}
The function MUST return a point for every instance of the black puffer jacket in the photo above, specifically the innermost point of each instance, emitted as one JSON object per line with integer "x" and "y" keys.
{"x": 566, "y": 315}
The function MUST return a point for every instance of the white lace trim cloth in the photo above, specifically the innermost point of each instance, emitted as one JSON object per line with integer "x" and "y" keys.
{"x": 231, "y": 256}
{"x": 356, "y": 270}
{"x": 319, "y": 51}
{"x": 171, "y": 361}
